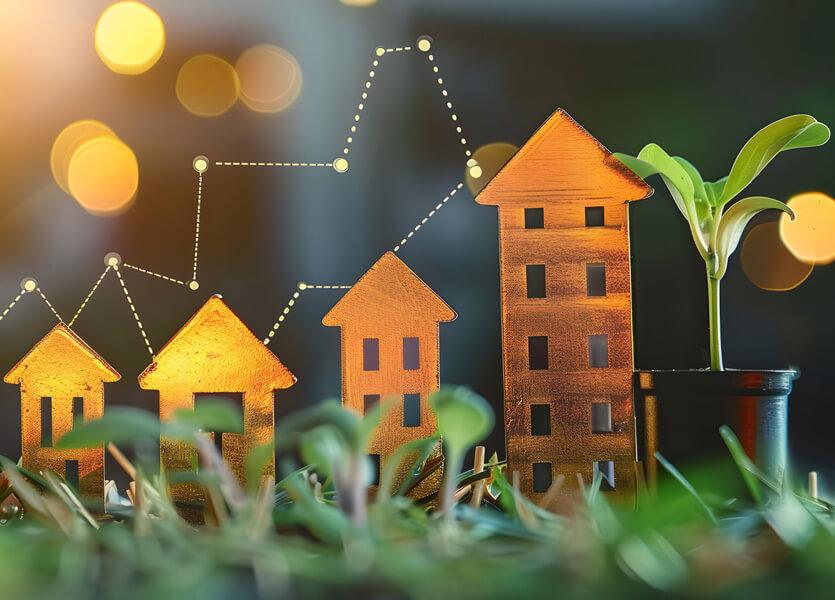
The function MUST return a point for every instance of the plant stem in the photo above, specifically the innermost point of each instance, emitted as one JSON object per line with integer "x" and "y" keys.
{"x": 448, "y": 490}
{"x": 714, "y": 322}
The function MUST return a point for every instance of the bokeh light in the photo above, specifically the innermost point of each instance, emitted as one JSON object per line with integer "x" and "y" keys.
{"x": 359, "y": 2}
{"x": 811, "y": 236}
{"x": 71, "y": 138}
{"x": 490, "y": 159}
{"x": 207, "y": 85}
{"x": 270, "y": 78}
{"x": 103, "y": 175}
{"x": 130, "y": 37}
{"x": 768, "y": 263}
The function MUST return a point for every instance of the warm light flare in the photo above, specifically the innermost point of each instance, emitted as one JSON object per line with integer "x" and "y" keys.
{"x": 768, "y": 263}
{"x": 811, "y": 236}
{"x": 207, "y": 85}
{"x": 103, "y": 175}
{"x": 68, "y": 142}
{"x": 130, "y": 37}
{"x": 270, "y": 78}
{"x": 485, "y": 163}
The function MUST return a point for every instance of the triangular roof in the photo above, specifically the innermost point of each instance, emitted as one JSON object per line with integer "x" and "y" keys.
{"x": 389, "y": 288}
{"x": 62, "y": 354}
{"x": 563, "y": 161}
{"x": 213, "y": 343}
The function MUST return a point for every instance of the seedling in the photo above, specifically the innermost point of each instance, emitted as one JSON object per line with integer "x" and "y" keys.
{"x": 715, "y": 230}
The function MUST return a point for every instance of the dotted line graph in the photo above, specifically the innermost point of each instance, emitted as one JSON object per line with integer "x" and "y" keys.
{"x": 114, "y": 263}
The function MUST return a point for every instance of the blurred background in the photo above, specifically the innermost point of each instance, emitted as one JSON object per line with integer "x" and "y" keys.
{"x": 696, "y": 76}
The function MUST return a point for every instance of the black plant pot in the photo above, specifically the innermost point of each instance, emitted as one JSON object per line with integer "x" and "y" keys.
{"x": 679, "y": 414}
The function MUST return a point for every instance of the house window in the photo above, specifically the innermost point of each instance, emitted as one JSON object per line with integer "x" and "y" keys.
{"x": 594, "y": 216}
{"x": 599, "y": 350}
{"x": 375, "y": 468}
{"x": 535, "y": 280}
{"x": 77, "y": 411}
{"x": 540, "y": 419}
{"x": 606, "y": 468}
{"x": 538, "y": 352}
{"x": 411, "y": 410}
{"x": 534, "y": 218}
{"x": 46, "y": 422}
{"x": 411, "y": 353}
{"x": 601, "y": 417}
{"x": 369, "y": 401}
{"x": 370, "y": 354}
{"x": 596, "y": 279}
{"x": 71, "y": 473}
{"x": 542, "y": 477}
{"x": 234, "y": 400}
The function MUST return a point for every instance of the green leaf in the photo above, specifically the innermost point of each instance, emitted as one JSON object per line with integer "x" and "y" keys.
{"x": 641, "y": 168}
{"x": 713, "y": 190}
{"x": 464, "y": 417}
{"x": 256, "y": 461}
{"x": 788, "y": 133}
{"x": 119, "y": 425}
{"x": 695, "y": 177}
{"x": 678, "y": 476}
{"x": 743, "y": 462}
{"x": 733, "y": 223}
{"x": 212, "y": 415}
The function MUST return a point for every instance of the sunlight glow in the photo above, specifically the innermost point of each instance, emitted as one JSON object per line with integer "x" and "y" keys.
{"x": 130, "y": 37}
{"x": 811, "y": 236}
{"x": 271, "y": 78}
{"x": 103, "y": 175}
{"x": 768, "y": 263}
{"x": 207, "y": 85}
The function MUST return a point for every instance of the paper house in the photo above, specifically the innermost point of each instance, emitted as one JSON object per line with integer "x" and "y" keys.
{"x": 566, "y": 309}
{"x": 389, "y": 322}
{"x": 215, "y": 356}
{"x": 61, "y": 382}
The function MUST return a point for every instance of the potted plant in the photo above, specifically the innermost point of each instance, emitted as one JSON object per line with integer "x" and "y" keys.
{"x": 680, "y": 412}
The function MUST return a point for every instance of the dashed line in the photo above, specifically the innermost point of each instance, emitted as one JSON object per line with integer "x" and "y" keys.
{"x": 290, "y": 303}
{"x": 431, "y": 214}
{"x": 49, "y": 304}
{"x": 133, "y": 310}
{"x": 272, "y": 164}
{"x": 153, "y": 274}
{"x": 90, "y": 295}
{"x": 12, "y": 304}
{"x": 449, "y": 105}
{"x": 197, "y": 223}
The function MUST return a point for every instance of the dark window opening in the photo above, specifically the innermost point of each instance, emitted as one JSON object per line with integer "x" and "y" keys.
{"x": 46, "y": 422}
{"x": 534, "y": 218}
{"x": 538, "y": 352}
{"x": 370, "y": 354}
{"x": 77, "y": 412}
{"x": 599, "y": 350}
{"x": 542, "y": 477}
{"x": 375, "y": 468}
{"x": 596, "y": 279}
{"x": 540, "y": 419}
{"x": 606, "y": 468}
{"x": 594, "y": 216}
{"x": 71, "y": 473}
{"x": 411, "y": 410}
{"x": 411, "y": 353}
{"x": 234, "y": 400}
{"x": 601, "y": 417}
{"x": 535, "y": 280}
{"x": 369, "y": 401}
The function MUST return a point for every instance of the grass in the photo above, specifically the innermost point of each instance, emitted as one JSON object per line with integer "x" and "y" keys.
{"x": 300, "y": 538}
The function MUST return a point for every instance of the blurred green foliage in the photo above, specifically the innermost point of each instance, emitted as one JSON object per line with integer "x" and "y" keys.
{"x": 321, "y": 532}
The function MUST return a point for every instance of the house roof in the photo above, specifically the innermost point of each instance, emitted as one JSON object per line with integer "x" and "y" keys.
{"x": 563, "y": 161}
{"x": 215, "y": 348}
{"x": 389, "y": 289}
{"x": 62, "y": 354}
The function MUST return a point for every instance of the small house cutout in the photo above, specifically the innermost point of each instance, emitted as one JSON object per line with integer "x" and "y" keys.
{"x": 61, "y": 383}
{"x": 215, "y": 355}
{"x": 389, "y": 323}
{"x": 567, "y": 340}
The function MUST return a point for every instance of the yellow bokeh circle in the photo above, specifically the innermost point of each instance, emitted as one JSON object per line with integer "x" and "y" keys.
{"x": 270, "y": 78}
{"x": 103, "y": 175}
{"x": 811, "y": 236}
{"x": 129, "y": 37}
{"x": 72, "y": 137}
{"x": 485, "y": 163}
{"x": 768, "y": 263}
{"x": 207, "y": 85}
